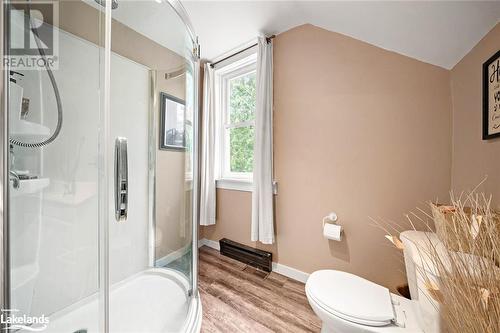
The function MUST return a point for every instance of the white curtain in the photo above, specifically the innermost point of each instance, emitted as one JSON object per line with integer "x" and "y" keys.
{"x": 207, "y": 172}
{"x": 262, "y": 196}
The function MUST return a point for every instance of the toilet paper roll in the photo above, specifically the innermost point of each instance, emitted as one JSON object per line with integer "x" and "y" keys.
{"x": 332, "y": 231}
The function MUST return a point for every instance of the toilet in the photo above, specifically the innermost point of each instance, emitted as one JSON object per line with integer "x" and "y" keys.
{"x": 347, "y": 303}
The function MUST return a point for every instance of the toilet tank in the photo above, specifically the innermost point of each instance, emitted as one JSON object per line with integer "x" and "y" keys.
{"x": 418, "y": 268}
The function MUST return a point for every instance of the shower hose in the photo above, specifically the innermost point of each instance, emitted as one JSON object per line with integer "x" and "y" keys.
{"x": 56, "y": 93}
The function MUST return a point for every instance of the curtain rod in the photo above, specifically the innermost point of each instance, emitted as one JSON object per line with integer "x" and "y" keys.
{"x": 268, "y": 40}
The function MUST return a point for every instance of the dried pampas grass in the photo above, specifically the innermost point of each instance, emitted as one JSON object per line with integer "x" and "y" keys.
{"x": 463, "y": 273}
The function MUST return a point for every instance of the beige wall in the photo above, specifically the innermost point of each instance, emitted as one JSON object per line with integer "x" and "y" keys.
{"x": 358, "y": 130}
{"x": 234, "y": 218}
{"x": 473, "y": 158}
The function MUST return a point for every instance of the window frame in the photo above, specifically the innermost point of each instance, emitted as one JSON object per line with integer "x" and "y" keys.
{"x": 225, "y": 177}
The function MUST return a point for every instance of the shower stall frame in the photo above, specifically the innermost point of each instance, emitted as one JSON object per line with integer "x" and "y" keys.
{"x": 4, "y": 163}
{"x": 4, "y": 167}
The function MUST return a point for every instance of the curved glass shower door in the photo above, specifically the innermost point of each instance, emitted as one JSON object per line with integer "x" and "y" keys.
{"x": 151, "y": 107}
{"x": 102, "y": 167}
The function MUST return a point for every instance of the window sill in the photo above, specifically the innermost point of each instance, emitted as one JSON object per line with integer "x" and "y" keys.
{"x": 234, "y": 184}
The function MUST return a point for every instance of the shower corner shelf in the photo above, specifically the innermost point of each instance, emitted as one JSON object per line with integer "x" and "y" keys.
{"x": 29, "y": 186}
{"x": 27, "y": 128}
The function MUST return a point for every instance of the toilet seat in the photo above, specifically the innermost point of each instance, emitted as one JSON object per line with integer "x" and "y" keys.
{"x": 351, "y": 297}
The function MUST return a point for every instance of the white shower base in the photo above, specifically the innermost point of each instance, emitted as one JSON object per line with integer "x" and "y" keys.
{"x": 151, "y": 301}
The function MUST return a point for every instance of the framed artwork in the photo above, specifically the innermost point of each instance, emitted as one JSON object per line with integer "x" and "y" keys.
{"x": 491, "y": 97}
{"x": 172, "y": 123}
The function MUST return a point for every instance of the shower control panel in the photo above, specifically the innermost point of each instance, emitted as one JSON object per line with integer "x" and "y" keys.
{"x": 121, "y": 179}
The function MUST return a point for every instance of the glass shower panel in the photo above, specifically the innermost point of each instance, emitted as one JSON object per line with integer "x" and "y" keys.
{"x": 54, "y": 220}
{"x": 150, "y": 235}
{"x": 101, "y": 239}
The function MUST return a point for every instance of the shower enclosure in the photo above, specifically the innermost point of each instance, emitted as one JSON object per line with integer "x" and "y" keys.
{"x": 98, "y": 217}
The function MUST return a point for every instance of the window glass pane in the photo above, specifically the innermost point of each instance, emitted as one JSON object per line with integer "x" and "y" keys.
{"x": 241, "y": 149}
{"x": 242, "y": 98}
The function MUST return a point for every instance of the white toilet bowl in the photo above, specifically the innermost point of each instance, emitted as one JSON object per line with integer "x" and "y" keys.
{"x": 346, "y": 303}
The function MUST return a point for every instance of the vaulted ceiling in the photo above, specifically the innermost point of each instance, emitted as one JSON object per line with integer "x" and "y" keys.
{"x": 436, "y": 32}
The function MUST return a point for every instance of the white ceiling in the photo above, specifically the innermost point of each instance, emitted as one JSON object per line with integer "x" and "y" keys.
{"x": 436, "y": 32}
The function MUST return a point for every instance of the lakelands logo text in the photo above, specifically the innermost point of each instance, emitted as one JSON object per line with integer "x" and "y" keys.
{"x": 11, "y": 320}
{"x": 33, "y": 39}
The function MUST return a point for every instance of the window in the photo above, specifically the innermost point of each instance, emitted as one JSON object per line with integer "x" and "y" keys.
{"x": 237, "y": 89}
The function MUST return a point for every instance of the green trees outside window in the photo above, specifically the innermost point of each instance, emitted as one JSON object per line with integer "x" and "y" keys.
{"x": 242, "y": 116}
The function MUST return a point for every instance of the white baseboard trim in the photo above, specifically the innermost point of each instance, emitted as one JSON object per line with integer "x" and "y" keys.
{"x": 290, "y": 272}
{"x": 210, "y": 243}
{"x": 164, "y": 261}
{"x": 287, "y": 271}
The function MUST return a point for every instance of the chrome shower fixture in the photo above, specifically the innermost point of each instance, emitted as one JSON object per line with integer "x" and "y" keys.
{"x": 175, "y": 74}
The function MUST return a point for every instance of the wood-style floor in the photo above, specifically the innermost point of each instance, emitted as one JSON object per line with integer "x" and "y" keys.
{"x": 240, "y": 298}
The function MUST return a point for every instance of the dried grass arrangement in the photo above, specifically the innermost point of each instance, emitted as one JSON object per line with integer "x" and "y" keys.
{"x": 461, "y": 271}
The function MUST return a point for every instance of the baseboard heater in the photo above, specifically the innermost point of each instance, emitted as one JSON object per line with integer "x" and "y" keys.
{"x": 250, "y": 256}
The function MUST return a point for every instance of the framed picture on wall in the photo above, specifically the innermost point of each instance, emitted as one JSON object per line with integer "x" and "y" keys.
{"x": 491, "y": 97}
{"x": 172, "y": 123}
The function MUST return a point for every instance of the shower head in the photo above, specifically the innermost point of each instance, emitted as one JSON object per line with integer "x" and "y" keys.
{"x": 114, "y": 3}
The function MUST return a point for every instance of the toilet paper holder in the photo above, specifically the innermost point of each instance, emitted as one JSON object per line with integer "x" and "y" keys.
{"x": 332, "y": 217}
